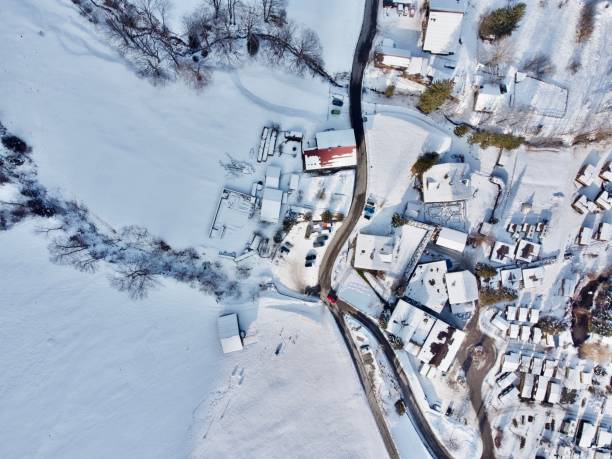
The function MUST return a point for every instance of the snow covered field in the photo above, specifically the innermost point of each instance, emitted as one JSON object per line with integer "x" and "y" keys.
{"x": 155, "y": 151}
{"x": 87, "y": 373}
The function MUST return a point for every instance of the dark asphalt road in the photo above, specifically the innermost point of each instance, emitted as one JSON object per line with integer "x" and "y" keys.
{"x": 360, "y": 60}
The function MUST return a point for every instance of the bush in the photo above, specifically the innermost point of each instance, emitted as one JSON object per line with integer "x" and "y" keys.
{"x": 586, "y": 23}
{"x": 568, "y": 396}
{"x": 397, "y": 220}
{"x": 489, "y": 296}
{"x": 485, "y": 271}
{"x": 15, "y": 144}
{"x": 435, "y": 95}
{"x": 390, "y": 90}
{"x": 551, "y": 326}
{"x": 424, "y": 163}
{"x": 326, "y": 216}
{"x": 461, "y": 130}
{"x": 400, "y": 407}
{"x": 501, "y": 22}
{"x": 488, "y": 138}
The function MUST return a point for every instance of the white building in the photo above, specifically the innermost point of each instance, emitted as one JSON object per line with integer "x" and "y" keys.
{"x": 533, "y": 277}
{"x": 443, "y": 29}
{"x": 511, "y": 278}
{"x": 586, "y": 175}
{"x": 390, "y": 56}
{"x": 540, "y": 394}
{"x": 604, "y": 200}
{"x": 527, "y": 250}
{"x": 586, "y": 434}
{"x": 462, "y": 289}
{"x": 511, "y": 362}
{"x": 604, "y": 233}
{"x": 511, "y": 313}
{"x": 502, "y": 252}
{"x": 426, "y": 285}
{"x": 527, "y": 389}
{"x": 271, "y": 203}
{"x": 441, "y": 346}
{"x": 554, "y": 395}
{"x": 229, "y": 334}
{"x": 374, "y": 253}
{"x": 447, "y": 182}
{"x": 500, "y": 323}
{"x": 489, "y": 97}
{"x": 273, "y": 174}
{"x": 452, "y": 239}
{"x": 585, "y": 236}
{"x": 335, "y": 149}
{"x": 409, "y": 323}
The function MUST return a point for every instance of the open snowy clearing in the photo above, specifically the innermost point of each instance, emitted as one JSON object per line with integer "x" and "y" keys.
{"x": 155, "y": 151}
{"x": 87, "y": 373}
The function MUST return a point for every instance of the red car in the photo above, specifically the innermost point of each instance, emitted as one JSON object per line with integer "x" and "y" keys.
{"x": 332, "y": 298}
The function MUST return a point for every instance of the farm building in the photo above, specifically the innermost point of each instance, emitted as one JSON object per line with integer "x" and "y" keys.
{"x": 374, "y": 253}
{"x": 443, "y": 29}
{"x": 229, "y": 333}
{"x": 452, "y": 239}
{"x": 447, "y": 182}
{"x": 335, "y": 149}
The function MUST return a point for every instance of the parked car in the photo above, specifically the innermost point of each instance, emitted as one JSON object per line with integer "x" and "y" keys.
{"x": 311, "y": 257}
{"x": 285, "y": 249}
{"x": 332, "y": 297}
{"x": 308, "y": 264}
{"x": 318, "y": 243}
{"x": 337, "y": 102}
{"x": 335, "y": 111}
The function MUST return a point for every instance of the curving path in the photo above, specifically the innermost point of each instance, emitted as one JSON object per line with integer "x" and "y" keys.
{"x": 360, "y": 60}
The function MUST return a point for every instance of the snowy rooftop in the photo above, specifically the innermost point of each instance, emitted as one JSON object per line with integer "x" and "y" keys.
{"x": 502, "y": 252}
{"x": 441, "y": 346}
{"x": 273, "y": 176}
{"x": 455, "y": 6}
{"x": 587, "y": 435}
{"x": 229, "y": 334}
{"x": 330, "y": 158}
{"x": 452, "y": 239}
{"x": 447, "y": 182}
{"x": 406, "y": 320}
{"x": 373, "y": 252}
{"x": 544, "y": 98}
{"x": 488, "y": 98}
{"x": 533, "y": 277}
{"x": 443, "y": 30}
{"x": 336, "y": 138}
{"x": 527, "y": 250}
{"x": 462, "y": 287}
{"x": 271, "y": 205}
{"x": 426, "y": 285}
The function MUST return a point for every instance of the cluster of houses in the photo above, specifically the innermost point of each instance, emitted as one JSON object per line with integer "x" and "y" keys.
{"x": 519, "y": 324}
{"x": 431, "y": 340}
{"x": 586, "y": 178}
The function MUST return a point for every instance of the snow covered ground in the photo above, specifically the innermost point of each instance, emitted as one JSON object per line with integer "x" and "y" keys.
{"x": 155, "y": 151}
{"x": 87, "y": 373}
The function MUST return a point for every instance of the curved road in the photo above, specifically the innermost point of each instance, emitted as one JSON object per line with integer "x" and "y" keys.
{"x": 435, "y": 448}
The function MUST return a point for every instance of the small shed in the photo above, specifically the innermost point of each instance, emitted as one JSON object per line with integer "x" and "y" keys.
{"x": 229, "y": 333}
{"x": 452, "y": 239}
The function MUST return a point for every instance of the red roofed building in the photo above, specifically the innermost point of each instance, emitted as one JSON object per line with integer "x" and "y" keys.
{"x": 335, "y": 150}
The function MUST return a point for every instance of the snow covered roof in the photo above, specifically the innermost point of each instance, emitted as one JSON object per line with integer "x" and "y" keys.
{"x": 395, "y": 57}
{"x": 452, "y": 239}
{"x": 605, "y": 231}
{"x": 500, "y": 323}
{"x": 271, "y": 205}
{"x": 527, "y": 386}
{"x": 511, "y": 313}
{"x": 462, "y": 287}
{"x": 523, "y": 312}
{"x": 603, "y": 200}
{"x": 511, "y": 362}
{"x": 525, "y": 333}
{"x": 540, "y": 394}
{"x": 229, "y": 334}
{"x": 374, "y": 252}
{"x": 586, "y": 235}
{"x": 336, "y": 138}
{"x": 586, "y": 435}
{"x": 604, "y": 438}
{"x": 426, "y": 285}
{"x": 543, "y": 98}
{"x": 488, "y": 98}
{"x": 273, "y": 174}
{"x": 330, "y": 158}
{"x": 537, "y": 335}
{"x": 514, "y": 331}
{"x": 447, "y": 182}
{"x": 533, "y": 277}
{"x": 534, "y": 316}
{"x": 454, "y": 6}
{"x": 410, "y": 323}
{"x": 441, "y": 346}
{"x": 443, "y": 29}
{"x": 587, "y": 175}
{"x": 511, "y": 278}
{"x": 502, "y": 252}
{"x": 527, "y": 250}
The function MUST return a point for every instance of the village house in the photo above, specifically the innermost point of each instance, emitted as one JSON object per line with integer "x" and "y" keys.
{"x": 336, "y": 149}
{"x": 443, "y": 29}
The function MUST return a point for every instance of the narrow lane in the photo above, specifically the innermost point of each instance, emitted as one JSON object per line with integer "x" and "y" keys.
{"x": 360, "y": 60}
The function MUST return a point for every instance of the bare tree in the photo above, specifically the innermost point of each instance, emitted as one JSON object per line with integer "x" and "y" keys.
{"x": 75, "y": 250}
{"x": 136, "y": 279}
